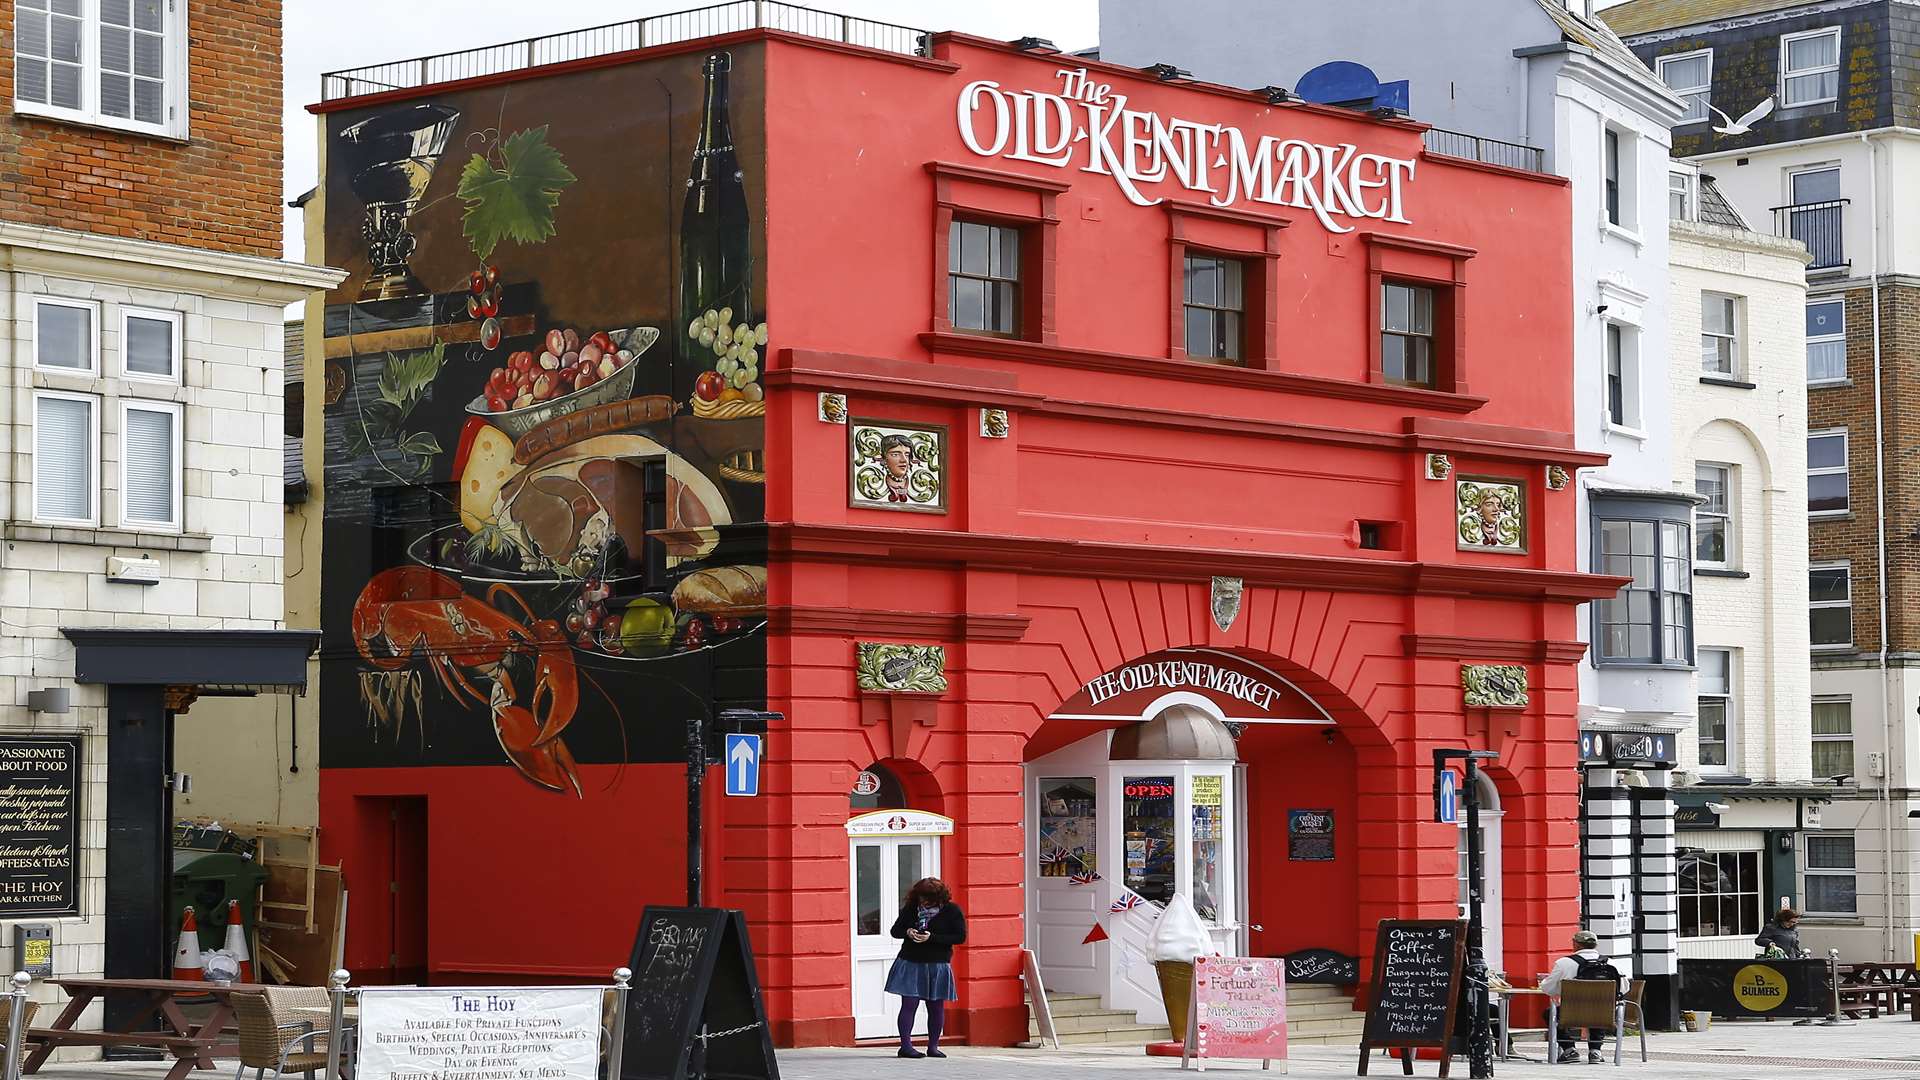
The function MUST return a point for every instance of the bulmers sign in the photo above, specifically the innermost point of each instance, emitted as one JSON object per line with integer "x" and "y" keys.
{"x": 1088, "y": 122}
{"x": 1241, "y": 690}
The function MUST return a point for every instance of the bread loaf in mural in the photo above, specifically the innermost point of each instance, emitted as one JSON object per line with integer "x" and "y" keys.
{"x": 723, "y": 590}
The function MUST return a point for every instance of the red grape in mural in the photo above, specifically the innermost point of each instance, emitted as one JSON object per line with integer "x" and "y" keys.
{"x": 411, "y": 614}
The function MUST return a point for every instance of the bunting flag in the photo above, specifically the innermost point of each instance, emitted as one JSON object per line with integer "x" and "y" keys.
{"x": 1087, "y": 878}
{"x": 1127, "y": 902}
{"x": 1053, "y": 855}
{"x": 1098, "y": 933}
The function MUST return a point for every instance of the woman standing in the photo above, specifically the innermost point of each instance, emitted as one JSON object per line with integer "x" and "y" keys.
{"x": 1783, "y": 932}
{"x": 930, "y": 925}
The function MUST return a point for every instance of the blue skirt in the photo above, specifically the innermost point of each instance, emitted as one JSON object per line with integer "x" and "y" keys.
{"x": 929, "y": 982}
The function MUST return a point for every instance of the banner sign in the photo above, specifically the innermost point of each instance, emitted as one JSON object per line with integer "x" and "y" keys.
{"x": 1242, "y": 691}
{"x": 1339, "y": 184}
{"x": 1239, "y": 1008}
{"x": 493, "y": 1033}
{"x": 39, "y": 825}
{"x": 1798, "y": 988}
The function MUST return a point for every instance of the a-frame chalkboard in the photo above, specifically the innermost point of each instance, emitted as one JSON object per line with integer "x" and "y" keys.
{"x": 692, "y": 976}
{"x": 1416, "y": 988}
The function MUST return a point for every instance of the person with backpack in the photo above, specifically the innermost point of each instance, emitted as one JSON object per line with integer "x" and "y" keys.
{"x": 1585, "y": 963}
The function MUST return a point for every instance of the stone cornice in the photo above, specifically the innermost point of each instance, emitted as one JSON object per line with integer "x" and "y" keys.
{"x": 169, "y": 267}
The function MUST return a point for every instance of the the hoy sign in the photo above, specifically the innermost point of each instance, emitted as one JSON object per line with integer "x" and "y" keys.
{"x": 1089, "y": 123}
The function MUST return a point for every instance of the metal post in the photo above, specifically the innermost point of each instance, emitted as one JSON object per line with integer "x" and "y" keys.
{"x": 1833, "y": 982}
{"x": 337, "y": 995}
{"x": 696, "y": 775}
{"x": 621, "y": 977}
{"x": 16, "y": 1023}
{"x": 1480, "y": 1040}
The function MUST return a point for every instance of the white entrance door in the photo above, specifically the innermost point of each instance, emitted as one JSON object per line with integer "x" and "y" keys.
{"x": 1492, "y": 898}
{"x": 884, "y": 868}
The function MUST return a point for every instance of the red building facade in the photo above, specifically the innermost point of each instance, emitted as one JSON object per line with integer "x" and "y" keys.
{"x": 1092, "y": 609}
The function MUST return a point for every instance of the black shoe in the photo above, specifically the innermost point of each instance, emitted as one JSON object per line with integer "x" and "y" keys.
{"x": 935, "y": 1052}
{"x": 1595, "y": 1057}
{"x": 910, "y": 1052}
{"x": 1567, "y": 1057}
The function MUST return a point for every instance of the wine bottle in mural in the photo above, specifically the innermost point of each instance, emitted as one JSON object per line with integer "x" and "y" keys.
{"x": 716, "y": 259}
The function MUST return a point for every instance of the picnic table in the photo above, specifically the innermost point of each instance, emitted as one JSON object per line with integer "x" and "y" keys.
{"x": 192, "y": 1043}
{"x": 1874, "y": 986}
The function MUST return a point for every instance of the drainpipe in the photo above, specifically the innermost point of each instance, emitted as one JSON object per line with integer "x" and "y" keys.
{"x": 1880, "y": 539}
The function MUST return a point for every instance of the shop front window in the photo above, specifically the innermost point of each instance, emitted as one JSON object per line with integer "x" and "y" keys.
{"x": 866, "y": 890}
{"x": 1720, "y": 894}
{"x": 1208, "y": 837}
{"x": 1148, "y": 837}
{"x": 1067, "y": 827}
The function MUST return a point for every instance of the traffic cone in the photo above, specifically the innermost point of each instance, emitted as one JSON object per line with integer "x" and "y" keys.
{"x": 236, "y": 942}
{"x": 186, "y": 955}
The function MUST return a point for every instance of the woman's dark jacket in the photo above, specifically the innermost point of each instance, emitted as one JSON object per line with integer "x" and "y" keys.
{"x": 948, "y": 928}
{"x": 1775, "y": 934}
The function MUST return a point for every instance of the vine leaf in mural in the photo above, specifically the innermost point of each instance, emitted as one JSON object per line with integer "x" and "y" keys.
{"x": 381, "y": 432}
{"x": 514, "y": 201}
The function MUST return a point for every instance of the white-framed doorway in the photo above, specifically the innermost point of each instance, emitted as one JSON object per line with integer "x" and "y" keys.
{"x": 887, "y": 851}
{"x": 1493, "y": 896}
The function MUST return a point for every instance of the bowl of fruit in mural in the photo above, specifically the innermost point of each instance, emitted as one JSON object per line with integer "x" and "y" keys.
{"x": 731, "y": 389}
{"x": 533, "y": 387}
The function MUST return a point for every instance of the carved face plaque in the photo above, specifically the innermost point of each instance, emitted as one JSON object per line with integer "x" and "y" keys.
{"x": 1491, "y": 514}
{"x": 1226, "y": 601}
{"x": 897, "y": 466}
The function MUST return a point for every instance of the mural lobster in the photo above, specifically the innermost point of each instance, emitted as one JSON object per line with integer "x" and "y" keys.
{"x": 412, "y": 614}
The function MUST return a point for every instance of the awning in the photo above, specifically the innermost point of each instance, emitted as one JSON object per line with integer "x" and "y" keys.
{"x": 212, "y": 661}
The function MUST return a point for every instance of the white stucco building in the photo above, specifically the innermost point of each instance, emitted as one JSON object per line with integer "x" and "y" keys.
{"x": 1543, "y": 85}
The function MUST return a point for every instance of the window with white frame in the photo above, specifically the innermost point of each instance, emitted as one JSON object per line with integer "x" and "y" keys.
{"x": 1623, "y": 375}
{"x": 1713, "y": 535}
{"x": 1719, "y": 893}
{"x": 149, "y": 464}
{"x": 1826, "y": 340}
{"x": 1810, "y": 67}
{"x": 1830, "y": 605}
{"x": 118, "y": 63}
{"x": 66, "y": 458}
{"x": 66, "y": 335}
{"x": 1690, "y": 76}
{"x": 1617, "y": 155}
{"x": 1831, "y": 874}
{"x": 150, "y": 344}
{"x": 1715, "y": 709}
{"x": 1720, "y": 334}
{"x": 1680, "y": 196}
{"x": 1832, "y": 736}
{"x": 1827, "y": 481}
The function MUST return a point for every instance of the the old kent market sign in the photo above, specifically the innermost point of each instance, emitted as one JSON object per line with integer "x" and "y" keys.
{"x": 1238, "y": 689}
{"x": 1088, "y": 123}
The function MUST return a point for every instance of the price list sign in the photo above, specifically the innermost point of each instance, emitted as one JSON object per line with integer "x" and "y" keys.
{"x": 1416, "y": 984}
{"x": 39, "y": 825}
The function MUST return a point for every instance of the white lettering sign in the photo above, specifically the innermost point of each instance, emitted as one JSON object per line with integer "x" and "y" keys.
{"x": 507, "y": 1033}
{"x": 1182, "y": 674}
{"x": 1338, "y": 184}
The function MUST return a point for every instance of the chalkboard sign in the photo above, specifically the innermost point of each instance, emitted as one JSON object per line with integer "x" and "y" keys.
{"x": 1416, "y": 986}
{"x": 39, "y": 825}
{"x": 1327, "y": 967}
{"x": 1310, "y": 835}
{"x": 693, "y": 976}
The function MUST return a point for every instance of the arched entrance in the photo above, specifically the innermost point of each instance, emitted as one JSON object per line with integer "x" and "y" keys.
{"x": 1493, "y": 895}
{"x": 1141, "y": 792}
{"x": 890, "y": 845}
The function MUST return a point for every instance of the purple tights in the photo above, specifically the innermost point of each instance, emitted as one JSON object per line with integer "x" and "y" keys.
{"x": 936, "y": 1022}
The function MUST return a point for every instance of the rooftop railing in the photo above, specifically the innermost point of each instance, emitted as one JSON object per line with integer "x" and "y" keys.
{"x": 1491, "y": 151}
{"x": 619, "y": 37}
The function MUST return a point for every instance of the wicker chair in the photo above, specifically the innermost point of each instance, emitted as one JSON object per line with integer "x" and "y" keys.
{"x": 272, "y": 1038}
{"x": 1593, "y": 1004}
{"x": 26, "y": 1021}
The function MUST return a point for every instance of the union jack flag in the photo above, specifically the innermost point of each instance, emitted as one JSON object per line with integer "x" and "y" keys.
{"x": 1087, "y": 878}
{"x": 1053, "y": 855}
{"x": 1127, "y": 902}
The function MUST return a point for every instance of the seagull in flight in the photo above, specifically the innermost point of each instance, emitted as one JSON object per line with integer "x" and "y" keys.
{"x": 1745, "y": 123}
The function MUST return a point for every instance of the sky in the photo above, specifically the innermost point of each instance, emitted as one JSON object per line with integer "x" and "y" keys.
{"x": 328, "y": 35}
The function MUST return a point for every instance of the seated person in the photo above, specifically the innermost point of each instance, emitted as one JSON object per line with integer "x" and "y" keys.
{"x": 1585, "y": 963}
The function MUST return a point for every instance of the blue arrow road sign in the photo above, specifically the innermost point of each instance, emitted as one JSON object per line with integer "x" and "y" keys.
{"x": 742, "y": 761}
{"x": 1446, "y": 799}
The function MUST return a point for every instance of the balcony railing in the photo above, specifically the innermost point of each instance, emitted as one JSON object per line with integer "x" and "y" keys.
{"x": 1492, "y": 151}
{"x": 1817, "y": 225}
{"x": 621, "y": 37}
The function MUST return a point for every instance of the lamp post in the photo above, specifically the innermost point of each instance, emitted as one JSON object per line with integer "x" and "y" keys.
{"x": 699, "y": 730}
{"x": 1480, "y": 1037}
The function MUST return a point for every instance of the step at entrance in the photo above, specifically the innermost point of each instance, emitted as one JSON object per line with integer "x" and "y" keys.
{"x": 1316, "y": 1015}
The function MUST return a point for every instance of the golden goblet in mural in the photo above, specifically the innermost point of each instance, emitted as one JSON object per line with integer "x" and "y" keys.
{"x": 390, "y": 160}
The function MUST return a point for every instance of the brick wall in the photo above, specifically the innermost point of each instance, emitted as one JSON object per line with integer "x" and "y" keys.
{"x": 1852, "y": 538}
{"x": 219, "y": 189}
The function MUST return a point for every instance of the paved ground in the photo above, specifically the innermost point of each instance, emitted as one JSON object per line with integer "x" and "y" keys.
{"x": 1883, "y": 1049}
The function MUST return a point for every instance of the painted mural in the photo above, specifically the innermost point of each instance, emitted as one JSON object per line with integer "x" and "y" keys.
{"x": 544, "y": 414}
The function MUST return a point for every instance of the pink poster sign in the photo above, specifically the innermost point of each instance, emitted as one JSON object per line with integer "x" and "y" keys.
{"x": 1239, "y": 1008}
